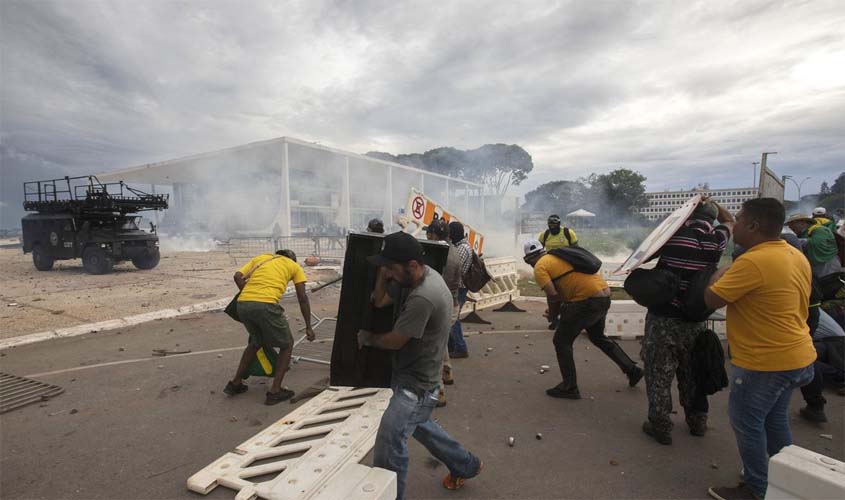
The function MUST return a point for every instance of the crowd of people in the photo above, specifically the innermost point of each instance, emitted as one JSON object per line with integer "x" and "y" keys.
{"x": 783, "y": 293}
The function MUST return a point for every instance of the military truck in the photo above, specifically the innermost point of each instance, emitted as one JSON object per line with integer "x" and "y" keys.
{"x": 81, "y": 217}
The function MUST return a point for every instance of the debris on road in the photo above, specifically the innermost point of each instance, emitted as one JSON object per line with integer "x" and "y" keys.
{"x": 233, "y": 419}
{"x": 489, "y": 349}
{"x": 539, "y": 436}
{"x": 714, "y": 466}
{"x": 511, "y": 440}
{"x": 614, "y": 462}
{"x": 167, "y": 352}
{"x": 74, "y": 411}
{"x": 827, "y": 436}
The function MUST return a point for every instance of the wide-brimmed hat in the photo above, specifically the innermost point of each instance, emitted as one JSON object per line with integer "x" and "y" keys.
{"x": 799, "y": 218}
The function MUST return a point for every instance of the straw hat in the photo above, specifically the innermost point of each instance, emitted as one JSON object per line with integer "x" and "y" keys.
{"x": 799, "y": 218}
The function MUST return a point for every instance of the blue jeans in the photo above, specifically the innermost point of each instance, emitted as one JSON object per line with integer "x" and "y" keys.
{"x": 758, "y": 408}
{"x": 456, "y": 335}
{"x": 409, "y": 414}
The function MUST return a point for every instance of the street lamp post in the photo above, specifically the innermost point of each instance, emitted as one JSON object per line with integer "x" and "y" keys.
{"x": 797, "y": 184}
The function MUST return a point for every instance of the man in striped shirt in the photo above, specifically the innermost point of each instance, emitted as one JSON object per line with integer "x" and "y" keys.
{"x": 669, "y": 336}
{"x": 457, "y": 345}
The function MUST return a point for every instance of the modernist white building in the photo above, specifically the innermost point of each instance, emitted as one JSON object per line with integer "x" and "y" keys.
{"x": 663, "y": 203}
{"x": 290, "y": 187}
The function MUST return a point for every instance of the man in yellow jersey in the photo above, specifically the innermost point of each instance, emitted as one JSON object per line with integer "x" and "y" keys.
{"x": 582, "y": 301}
{"x": 555, "y": 236}
{"x": 767, "y": 291}
{"x": 262, "y": 282}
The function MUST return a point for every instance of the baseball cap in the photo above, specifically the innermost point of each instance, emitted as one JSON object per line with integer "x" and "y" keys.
{"x": 532, "y": 247}
{"x": 819, "y": 211}
{"x": 398, "y": 247}
{"x": 375, "y": 225}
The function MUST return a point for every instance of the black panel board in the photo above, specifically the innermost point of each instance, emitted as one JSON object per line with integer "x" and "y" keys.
{"x": 367, "y": 367}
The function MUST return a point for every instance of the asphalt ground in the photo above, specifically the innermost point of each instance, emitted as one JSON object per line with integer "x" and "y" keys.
{"x": 140, "y": 428}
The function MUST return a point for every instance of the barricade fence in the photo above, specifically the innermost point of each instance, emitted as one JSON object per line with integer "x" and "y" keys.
{"x": 326, "y": 248}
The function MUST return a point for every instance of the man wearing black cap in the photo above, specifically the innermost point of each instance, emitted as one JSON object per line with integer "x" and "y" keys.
{"x": 457, "y": 234}
{"x": 375, "y": 226}
{"x": 419, "y": 339}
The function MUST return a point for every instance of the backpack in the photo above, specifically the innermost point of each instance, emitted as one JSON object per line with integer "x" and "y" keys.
{"x": 477, "y": 275}
{"x": 692, "y": 303}
{"x": 566, "y": 233}
{"x": 581, "y": 260}
{"x": 652, "y": 287}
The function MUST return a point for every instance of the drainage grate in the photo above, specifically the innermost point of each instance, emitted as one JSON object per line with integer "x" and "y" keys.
{"x": 20, "y": 391}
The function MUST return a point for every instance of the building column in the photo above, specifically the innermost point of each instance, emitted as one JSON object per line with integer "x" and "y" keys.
{"x": 346, "y": 193}
{"x": 284, "y": 218}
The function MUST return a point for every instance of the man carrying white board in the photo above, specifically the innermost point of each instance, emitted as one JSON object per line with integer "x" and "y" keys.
{"x": 669, "y": 336}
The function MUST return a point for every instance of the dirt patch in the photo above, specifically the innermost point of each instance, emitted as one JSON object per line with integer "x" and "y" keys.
{"x": 35, "y": 301}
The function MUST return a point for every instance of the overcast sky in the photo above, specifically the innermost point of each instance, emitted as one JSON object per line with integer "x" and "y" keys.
{"x": 684, "y": 92}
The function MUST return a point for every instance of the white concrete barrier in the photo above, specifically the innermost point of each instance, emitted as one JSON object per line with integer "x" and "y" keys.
{"x": 503, "y": 288}
{"x": 796, "y": 473}
{"x": 313, "y": 452}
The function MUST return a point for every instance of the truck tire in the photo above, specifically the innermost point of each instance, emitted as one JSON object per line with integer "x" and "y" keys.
{"x": 41, "y": 261}
{"x": 97, "y": 261}
{"x": 148, "y": 260}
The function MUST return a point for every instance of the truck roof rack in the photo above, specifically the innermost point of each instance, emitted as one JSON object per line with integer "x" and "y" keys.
{"x": 86, "y": 194}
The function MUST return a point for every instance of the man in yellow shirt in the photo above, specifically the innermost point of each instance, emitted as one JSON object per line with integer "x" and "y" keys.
{"x": 557, "y": 237}
{"x": 582, "y": 300}
{"x": 262, "y": 282}
{"x": 767, "y": 291}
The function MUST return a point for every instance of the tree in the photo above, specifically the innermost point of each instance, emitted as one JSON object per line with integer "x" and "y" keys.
{"x": 824, "y": 190}
{"x": 497, "y": 166}
{"x": 838, "y": 185}
{"x": 559, "y": 197}
{"x": 621, "y": 193}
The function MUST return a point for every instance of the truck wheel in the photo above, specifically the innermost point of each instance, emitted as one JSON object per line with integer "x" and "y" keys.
{"x": 42, "y": 262}
{"x": 148, "y": 260}
{"x": 97, "y": 261}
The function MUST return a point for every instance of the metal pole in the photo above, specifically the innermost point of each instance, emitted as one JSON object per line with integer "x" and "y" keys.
{"x": 754, "y": 178}
{"x": 448, "y": 196}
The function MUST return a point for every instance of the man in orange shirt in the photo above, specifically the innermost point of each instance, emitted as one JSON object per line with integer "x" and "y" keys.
{"x": 582, "y": 301}
{"x": 767, "y": 291}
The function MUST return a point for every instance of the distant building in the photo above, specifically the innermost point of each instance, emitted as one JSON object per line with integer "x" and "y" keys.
{"x": 663, "y": 203}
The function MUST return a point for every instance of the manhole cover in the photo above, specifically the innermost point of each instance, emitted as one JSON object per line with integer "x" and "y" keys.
{"x": 20, "y": 391}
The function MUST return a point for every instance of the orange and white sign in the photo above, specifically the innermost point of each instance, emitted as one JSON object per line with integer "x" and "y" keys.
{"x": 422, "y": 210}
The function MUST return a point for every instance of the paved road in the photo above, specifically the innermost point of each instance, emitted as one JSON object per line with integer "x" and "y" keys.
{"x": 141, "y": 429}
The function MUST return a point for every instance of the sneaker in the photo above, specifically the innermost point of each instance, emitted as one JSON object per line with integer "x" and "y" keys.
{"x": 458, "y": 355}
{"x": 661, "y": 437}
{"x": 635, "y": 376}
{"x": 232, "y": 389}
{"x": 273, "y": 398}
{"x": 813, "y": 414}
{"x": 451, "y": 482}
{"x": 441, "y": 399}
{"x": 740, "y": 492}
{"x": 559, "y": 391}
{"x": 697, "y": 425}
{"x": 448, "y": 379}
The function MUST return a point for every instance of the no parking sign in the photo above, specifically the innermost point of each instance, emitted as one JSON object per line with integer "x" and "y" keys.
{"x": 422, "y": 210}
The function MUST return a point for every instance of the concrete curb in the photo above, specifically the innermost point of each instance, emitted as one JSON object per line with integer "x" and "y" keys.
{"x": 113, "y": 324}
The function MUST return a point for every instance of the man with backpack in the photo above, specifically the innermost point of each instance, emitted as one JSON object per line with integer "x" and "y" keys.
{"x": 457, "y": 344}
{"x": 557, "y": 237}
{"x": 669, "y": 334}
{"x": 582, "y": 298}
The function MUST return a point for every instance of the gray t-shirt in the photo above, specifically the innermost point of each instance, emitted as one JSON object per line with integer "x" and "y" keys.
{"x": 425, "y": 317}
{"x": 452, "y": 270}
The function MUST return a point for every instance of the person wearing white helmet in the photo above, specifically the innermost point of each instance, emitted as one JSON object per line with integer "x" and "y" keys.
{"x": 820, "y": 216}
{"x": 582, "y": 300}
